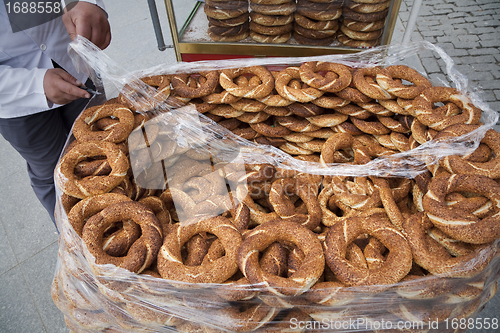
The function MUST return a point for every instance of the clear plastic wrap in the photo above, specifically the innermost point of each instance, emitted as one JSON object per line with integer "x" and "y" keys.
{"x": 178, "y": 151}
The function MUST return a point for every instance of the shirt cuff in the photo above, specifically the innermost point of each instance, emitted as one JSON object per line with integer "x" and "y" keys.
{"x": 39, "y": 91}
{"x": 99, "y": 3}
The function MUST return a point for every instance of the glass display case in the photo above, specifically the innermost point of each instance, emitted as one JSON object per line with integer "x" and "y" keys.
{"x": 222, "y": 29}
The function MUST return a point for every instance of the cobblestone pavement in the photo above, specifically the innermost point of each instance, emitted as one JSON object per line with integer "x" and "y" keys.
{"x": 468, "y": 31}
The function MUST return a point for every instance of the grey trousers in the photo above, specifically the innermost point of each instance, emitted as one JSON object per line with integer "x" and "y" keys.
{"x": 40, "y": 138}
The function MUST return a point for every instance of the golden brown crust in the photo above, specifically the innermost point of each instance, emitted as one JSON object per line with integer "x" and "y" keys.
{"x": 364, "y": 26}
{"x": 286, "y": 8}
{"x": 438, "y": 120}
{"x": 396, "y": 266}
{"x": 308, "y": 23}
{"x": 171, "y": 267}
{"x": 271, "y": 20}
{"x": 430, "y": 255}
{"x": 224, "y": 14}
{"x": 271, "y": 30}
{"x": 143, "y": 251}
{"x": 310, "y": 41}
{"x": 282, "y": 231}
{"x": 361, "y": 35}
{"x": 367, "y": 8}
{"x": 92, "y": 185}
{"x": 250, "y": 91}
{"x": 82, "y": 129}
{"x": 463, "y": 225}
{"x": 270, "y": 39}
{"x": 231, "y": 22}
{"x": 364, "y": 17}
{"x": 203, "y": 88}
{"x": 336, "y": 78}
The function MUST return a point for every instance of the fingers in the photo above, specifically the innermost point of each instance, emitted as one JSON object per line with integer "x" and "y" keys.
{"x": 62, "y": 88}
{"x": 89, "y": 21}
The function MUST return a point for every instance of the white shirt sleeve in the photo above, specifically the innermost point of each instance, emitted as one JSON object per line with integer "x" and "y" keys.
{"x": 22, "y": 89}
{"x": 100, "y": 3}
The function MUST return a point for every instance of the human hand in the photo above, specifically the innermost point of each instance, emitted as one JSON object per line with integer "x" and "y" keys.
{"x": 62, "y": 88}
{"x": 89, "y": 21}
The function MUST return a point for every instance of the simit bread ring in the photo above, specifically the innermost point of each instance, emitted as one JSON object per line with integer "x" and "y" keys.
{"x": 226, "y": 38}
{"x": 270, "y": 39}
{"x": 271, "y": 30}
{"x": 367, "y": 8}
{"x": 457, "y": 164}
{"x": 463, "y": 225}
{"x": 91, "y": 206}
{"x": 228, "y": 31}
{"x": 170, "y": 264}
{"x": 270, "y": 129}
{"x": 250, "y": 91}
{"x": 369, "y": 87}
{"x": 312, "y": 41}
{"x": 134, "y": 99}
{"x": 437, "y": 119}
{"x": 251, "y": 317}
{"x": 270, "y": 20}
{"x": 305, "y": 109}
{"x": 314, "y": 34}
{"x": 353, "y": 111}
{"x": 370, "y": 126}
{"x": 284, "y": 207}
{"x": 232, "y": 22}
{"x": 357, "y": 43}
{"x": 343, "y": 141}
{"x": 297, "y": 124}
{"x": 430, "y": 255}
{"x": 360, "y": 35}
{"x": 330, "y": 101}
{"x": 253, "y": 118}
{"x": 298, "y": 95}
{"x": 224, "y": 14}
{"x": 311, "y": 24}
{"x": 286, "y": 8}
{"x": 269, "y": 2}
{"x": 309, "y": 73}
{"x": 327, "y": 120}
{"x": 320, "y": 11}
{"x": 179, "y": 83}
{"x": 348, "y": 13}
{"x": 142, "y": 252}
{"x": 363, "y": 26}
{"x": 289, "y": 233}
{"x": 118, "y": 133}
{"x": 88, "y": 186}
{"x": 248, "y": 105}
{"x": 398, "y": 89}
{"x": 353, "y": 95}
{"x": 396, "y": 266}
{"x": 231, "y": 4}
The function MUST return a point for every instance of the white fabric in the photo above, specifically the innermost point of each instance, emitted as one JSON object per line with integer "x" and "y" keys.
{"x": 25, "y": 56}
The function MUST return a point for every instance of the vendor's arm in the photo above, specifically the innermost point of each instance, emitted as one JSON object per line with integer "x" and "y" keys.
{"x": 88, "y": 19}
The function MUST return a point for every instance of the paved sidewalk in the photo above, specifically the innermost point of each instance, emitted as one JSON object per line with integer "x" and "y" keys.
{"x": 466, "y": 29}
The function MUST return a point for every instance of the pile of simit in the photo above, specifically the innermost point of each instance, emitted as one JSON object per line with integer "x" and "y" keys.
{"x": 285, "y": 239}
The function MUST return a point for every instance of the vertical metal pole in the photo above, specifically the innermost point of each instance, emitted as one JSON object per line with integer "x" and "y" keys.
{"x": 412, "y": 20}
{"x": 173, "y": 29}
{"x": 156, "y": 25}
